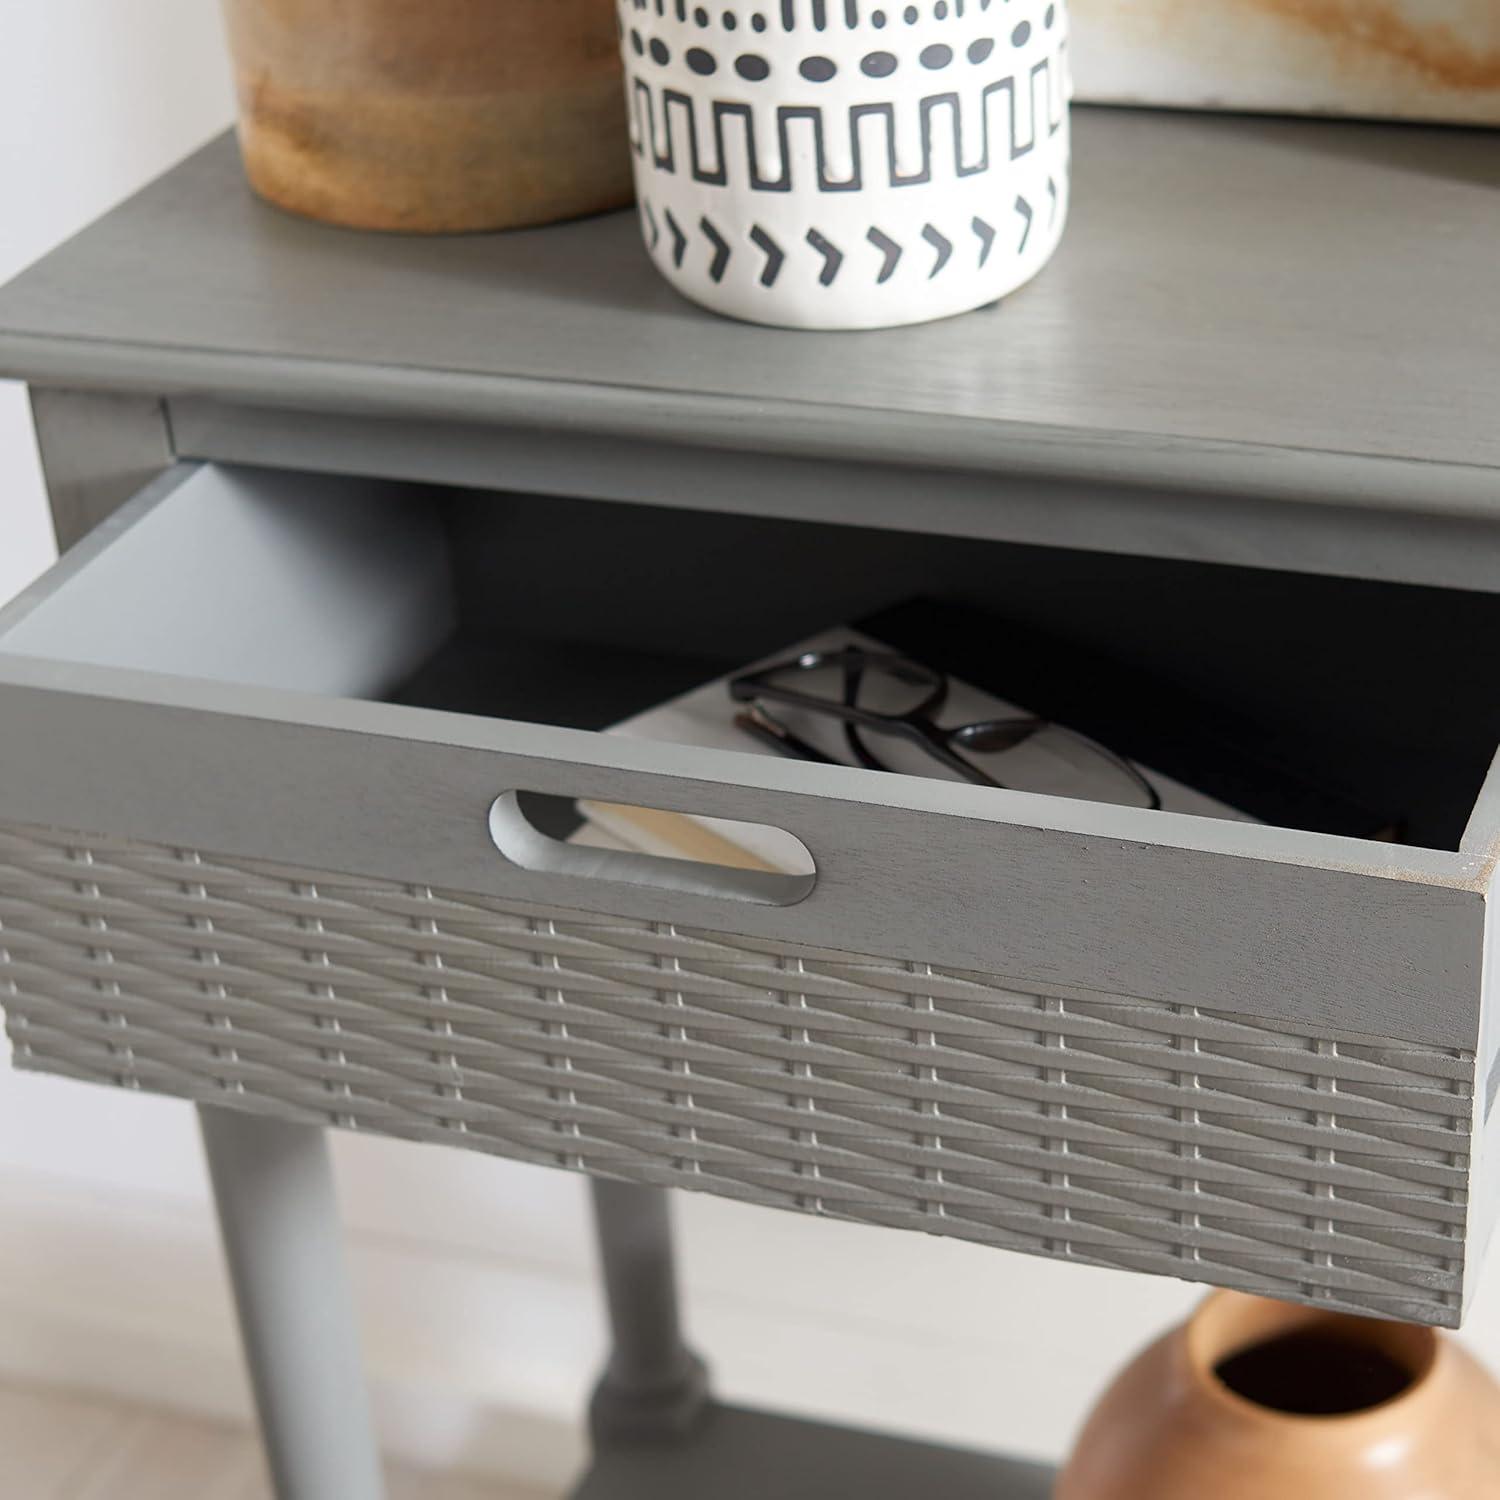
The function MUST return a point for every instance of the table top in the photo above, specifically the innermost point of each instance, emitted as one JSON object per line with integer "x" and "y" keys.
{"x": 1302, "y": 310}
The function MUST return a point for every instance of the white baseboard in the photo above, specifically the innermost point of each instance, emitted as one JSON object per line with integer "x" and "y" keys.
{"x": 471, "y": 1368}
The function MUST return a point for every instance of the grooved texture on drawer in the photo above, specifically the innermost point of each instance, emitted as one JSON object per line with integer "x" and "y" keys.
{"x": 1096, "y": 1128}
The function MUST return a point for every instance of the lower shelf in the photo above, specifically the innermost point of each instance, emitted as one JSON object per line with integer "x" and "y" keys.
{"x": 750, "y": 1455}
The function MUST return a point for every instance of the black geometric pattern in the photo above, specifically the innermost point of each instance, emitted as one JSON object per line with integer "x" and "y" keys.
{"x": 831, "y": 255}
{"x": 667, "y": 129}
{"x": 721, "y": 250}
{"x": 679, "y": 239}
{"x": 940, "y": 243}
{"x": 775, "y": 255}
{"x": 889, "y": 249}
{"x": 986, "y": 233}
{"x": 794, "y": 17}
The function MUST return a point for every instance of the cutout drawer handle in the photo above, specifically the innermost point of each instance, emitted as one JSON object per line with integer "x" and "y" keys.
{"x": 525, "y": 845}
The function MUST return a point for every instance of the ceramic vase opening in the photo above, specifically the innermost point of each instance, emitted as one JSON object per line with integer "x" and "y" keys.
{"x": 1303, "y": 1362}
{"x": 1254, "y": 1399}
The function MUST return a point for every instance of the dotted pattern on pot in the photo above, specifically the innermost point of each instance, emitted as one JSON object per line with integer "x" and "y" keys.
{"x": 729, "y": 38}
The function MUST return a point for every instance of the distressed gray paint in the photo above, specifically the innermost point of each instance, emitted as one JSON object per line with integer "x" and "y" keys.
{"x": 1482, "y": 835}
{"x": 653, "y": 1386}
{"x": 748, "y": 1455}
{"x": 273, "y": 1189}
{"x": 1094, "y": 1127}
{"x": 1327, "y": 934}
{"x": 1185, "y": 338}
{"x": 97, "y": 449}
{"x": 983, "y": 881}
{"x": 1356, "y": 540}
{"x": 1312, "y": 442}
{"x": 313, "y": 585}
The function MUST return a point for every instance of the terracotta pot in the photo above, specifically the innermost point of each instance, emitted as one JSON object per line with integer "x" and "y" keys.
{"x": 1378, "y": 1411}
{"x": 431, "y": 115}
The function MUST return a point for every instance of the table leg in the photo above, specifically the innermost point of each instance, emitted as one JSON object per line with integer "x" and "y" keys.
{"x": 653, "y": 1385}
{"x": 273, "y": 1188}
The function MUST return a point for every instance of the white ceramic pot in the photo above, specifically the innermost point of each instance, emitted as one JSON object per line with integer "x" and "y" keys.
{"x": 848, "y": 163}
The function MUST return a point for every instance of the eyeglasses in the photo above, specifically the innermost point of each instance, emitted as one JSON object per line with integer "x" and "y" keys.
{"x": 882, "y": 695}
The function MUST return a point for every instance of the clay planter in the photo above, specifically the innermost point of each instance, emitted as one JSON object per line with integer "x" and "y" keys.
{"x": 1259, "y": 1400}
{"x": 431, "y": 115}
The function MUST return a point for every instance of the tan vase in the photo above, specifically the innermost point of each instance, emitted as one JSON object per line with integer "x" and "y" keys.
{"x": 1378, "y": 1411}
{"x": 431, "y": 115}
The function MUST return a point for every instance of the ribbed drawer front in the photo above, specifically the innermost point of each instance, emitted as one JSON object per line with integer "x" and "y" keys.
{"x": 1091, "y": 1127}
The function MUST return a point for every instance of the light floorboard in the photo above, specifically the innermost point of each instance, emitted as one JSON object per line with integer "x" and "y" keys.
{"x": 60, "y": 1445}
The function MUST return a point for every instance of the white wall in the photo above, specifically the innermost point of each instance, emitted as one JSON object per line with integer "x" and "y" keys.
{"x": 473, "y": 1275}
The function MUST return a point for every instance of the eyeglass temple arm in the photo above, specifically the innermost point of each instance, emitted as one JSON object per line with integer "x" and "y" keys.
{"x": 781, "y": 739}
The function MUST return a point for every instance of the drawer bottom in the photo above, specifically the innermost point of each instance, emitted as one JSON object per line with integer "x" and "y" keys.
{"x": 1105, "y": 1129}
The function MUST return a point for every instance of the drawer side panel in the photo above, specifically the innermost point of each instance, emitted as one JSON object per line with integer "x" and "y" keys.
{"x": 1103, "y": 1129}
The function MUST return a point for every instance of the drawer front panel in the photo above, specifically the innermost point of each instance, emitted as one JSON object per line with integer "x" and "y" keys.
{"x": 1099, "y": 1128}
{"x": 1074, "y": 896}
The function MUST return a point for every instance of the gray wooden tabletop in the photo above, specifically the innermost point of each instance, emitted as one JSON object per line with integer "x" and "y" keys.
{"x": 1295, "y": 309}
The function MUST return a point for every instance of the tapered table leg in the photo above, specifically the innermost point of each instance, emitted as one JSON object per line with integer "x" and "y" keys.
{"x": 273, "y": 1187}
{"x": 653, "y": 1387}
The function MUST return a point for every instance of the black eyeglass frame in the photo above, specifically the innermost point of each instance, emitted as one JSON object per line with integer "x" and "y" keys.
{"x": 918, "y": 725}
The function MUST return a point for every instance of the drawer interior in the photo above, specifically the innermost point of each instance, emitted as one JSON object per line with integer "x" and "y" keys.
{"x": 578, "y": 613}
{"x": 1382, "y": 695}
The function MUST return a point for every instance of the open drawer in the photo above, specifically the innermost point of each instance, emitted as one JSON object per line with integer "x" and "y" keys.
{"x": 231, "y": 869}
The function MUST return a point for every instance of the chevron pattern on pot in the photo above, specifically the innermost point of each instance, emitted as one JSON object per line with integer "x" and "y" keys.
{"x": 820, "y": 256}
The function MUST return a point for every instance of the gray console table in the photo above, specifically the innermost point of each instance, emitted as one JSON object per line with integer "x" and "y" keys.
{"x": 365, "y": 536}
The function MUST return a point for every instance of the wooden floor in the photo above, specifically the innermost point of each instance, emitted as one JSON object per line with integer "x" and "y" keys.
{"x": 55, "y": 1445}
